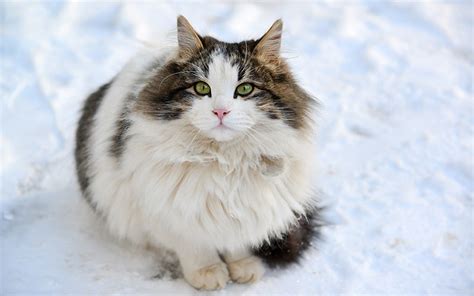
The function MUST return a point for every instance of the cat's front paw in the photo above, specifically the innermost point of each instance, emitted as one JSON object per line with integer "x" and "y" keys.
{"x": 246, "y": 270}
{"x": 211, "y": 277}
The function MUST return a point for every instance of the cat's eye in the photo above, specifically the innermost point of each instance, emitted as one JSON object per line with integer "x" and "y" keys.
{"x": 202, "y": 88}
{"x": 244, "y": 89}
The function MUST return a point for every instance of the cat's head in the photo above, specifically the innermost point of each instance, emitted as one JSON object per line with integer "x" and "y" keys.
{"x": 226, "y": 90}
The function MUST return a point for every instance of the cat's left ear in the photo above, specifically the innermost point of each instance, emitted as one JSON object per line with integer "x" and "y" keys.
{"x": 269, "y": 44}
{"x": 189, "y": 40}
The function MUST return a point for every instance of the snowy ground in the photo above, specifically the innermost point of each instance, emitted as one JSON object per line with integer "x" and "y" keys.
{"x": 395, "y": 142}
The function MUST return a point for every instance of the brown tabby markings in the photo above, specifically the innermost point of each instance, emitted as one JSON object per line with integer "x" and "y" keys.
{"x": 166, "y": 96}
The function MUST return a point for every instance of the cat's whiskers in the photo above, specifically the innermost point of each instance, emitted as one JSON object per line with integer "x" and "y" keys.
{"x": 197, "y": 132}
{"x": 254, "y": 134}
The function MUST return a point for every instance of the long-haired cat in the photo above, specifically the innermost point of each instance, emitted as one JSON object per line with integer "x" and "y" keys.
{"x": 206, "y": 150}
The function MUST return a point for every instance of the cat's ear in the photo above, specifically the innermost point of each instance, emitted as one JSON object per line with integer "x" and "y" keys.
{"x": 269, "y": 44}
{"x": 189, "y": 40}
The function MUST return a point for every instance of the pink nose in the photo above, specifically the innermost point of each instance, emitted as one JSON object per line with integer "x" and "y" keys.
{"x": 220, "y": 113}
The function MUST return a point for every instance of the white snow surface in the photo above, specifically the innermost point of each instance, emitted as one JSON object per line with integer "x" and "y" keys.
{"x": 395, "y": 142}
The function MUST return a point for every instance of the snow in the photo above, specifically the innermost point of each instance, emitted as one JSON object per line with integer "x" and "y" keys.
{"x": 395, "y": 142}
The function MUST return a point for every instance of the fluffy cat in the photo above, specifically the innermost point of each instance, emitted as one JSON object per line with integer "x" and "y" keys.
{"x": 205, "y": 150}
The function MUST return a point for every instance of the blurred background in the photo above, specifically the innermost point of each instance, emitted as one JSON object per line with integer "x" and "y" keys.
{"x": 395, "y": 141}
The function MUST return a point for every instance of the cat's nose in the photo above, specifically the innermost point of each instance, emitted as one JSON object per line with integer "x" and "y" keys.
{"x": 220, "y": 113}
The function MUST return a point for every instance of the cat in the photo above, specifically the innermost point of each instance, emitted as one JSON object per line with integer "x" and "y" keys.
{"x": 204, "y": 149}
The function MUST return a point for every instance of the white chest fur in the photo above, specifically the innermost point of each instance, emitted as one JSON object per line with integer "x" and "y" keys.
{"x": 199, "y": 197}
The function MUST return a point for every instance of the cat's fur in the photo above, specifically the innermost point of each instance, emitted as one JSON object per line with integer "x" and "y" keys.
{"x": 153, "y": 163}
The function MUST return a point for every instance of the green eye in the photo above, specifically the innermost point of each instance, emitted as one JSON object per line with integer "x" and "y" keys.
{"x": 202, "y": 88}
{"x": 244, "y": 89}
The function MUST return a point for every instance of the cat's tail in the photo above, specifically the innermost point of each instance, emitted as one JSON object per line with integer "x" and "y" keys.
{"x": 289, "y": 249}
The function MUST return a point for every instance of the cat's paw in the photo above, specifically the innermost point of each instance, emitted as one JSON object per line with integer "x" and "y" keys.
{"x": 211, "y": 277}
{"x": 246, "y": 270}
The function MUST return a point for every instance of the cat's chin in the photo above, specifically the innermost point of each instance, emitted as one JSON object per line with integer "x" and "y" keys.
{"x": 222, "y": 133}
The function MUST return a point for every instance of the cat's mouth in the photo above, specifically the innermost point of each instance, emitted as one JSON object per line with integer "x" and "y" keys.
{"x": 222, "y": 125}
{"x": 222, "y": 132}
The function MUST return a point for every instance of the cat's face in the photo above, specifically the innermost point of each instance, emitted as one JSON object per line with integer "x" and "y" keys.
{"x": 226, "y": 90}
{"x": 225, "y": 96}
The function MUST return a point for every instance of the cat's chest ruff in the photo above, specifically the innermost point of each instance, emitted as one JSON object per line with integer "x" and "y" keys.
{"x": 223, "y": 181}
{"x": 227, "y": 205}
{"x": 197, "y": 188}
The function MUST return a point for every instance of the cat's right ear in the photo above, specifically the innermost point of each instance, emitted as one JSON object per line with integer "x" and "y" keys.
{"x": 189, "y": 40}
